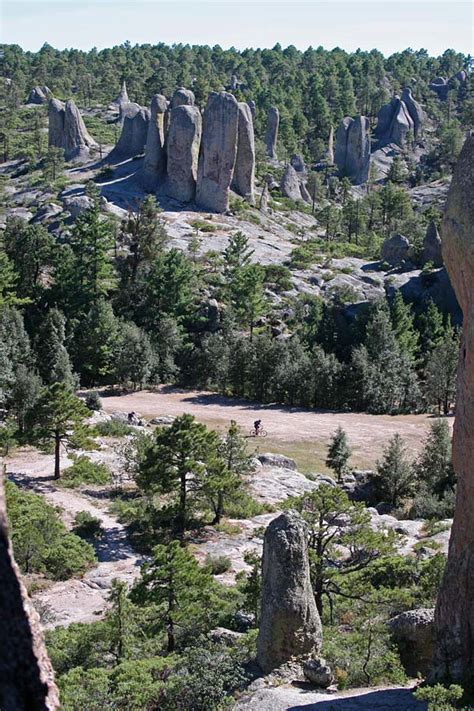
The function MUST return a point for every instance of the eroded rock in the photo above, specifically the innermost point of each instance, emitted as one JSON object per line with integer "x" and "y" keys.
{"x": 183, "y": 141}
{"x": 412, "y": 631}
{"x": 432, "y": 251}
{"x": 243, "y": 178}
{"x": 352, "y": 155}
{"x": 134, "y": 133}
{"x": 67, "y": 130}
{"x": 396, "y": 250}
{"x": 154, "y": 164}
{"x": 271, "y": 136}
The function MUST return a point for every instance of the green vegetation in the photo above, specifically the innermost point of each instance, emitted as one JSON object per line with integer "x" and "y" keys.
{"x": 85, "y": 471}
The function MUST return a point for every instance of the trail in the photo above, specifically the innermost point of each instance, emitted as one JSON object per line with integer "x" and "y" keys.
{"x": 84, "y": 599}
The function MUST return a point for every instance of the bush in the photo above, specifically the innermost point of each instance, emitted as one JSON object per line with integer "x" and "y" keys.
{"x": 41, "y": 542}
{"x": 439, "y": 697}
{"x": 218, "y": 564}
{"x": 113, "y": 428}
{"x": 244, "y": 506}
{"x": 93, "y": 400}
{"x": 428, "y": 505}
{"x": 87, "y": 526}
{"x": 203, "y": 226}
{"x": 84, "y": 471}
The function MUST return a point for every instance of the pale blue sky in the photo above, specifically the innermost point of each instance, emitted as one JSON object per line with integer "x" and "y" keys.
{"x": 389, "y": 26}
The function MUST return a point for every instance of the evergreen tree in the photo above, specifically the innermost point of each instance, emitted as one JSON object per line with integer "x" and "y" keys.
{"x": 25, "y": 392}
{"x": 440, "y": 372}
{"x": 95, "y": 343}
{"x": 247, "y": 297}
{"x": 54, "y": 364}
{"x": 433, "y": 466}
{"x": 30, "y": 249}
{"x": 144, "y": 232}
{"x": 395, "y": 480}
{"x": 59, "y": 420}
{"x": 53, "y": 164}
{"x": 338, "y": 453}
{"x": 135, "y": 360}
{"x": 403, "y": 326}
{"x": 431, "y": 328}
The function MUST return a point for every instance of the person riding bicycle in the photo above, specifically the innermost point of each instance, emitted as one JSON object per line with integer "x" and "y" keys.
{"x": 258, "y": 426}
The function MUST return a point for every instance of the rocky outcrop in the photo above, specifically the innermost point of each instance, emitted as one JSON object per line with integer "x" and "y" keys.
{"x": 218, "y": 151}
{"x": 66, "y": 130}
{"x": 253, "y": 109}
{"x": 121, "y": 100}
{"x": 442, "y": 86}
{"x": 432, "y": 251}
{"x": 269, "y": 459}
{"x": 330, "y": 152}
{"x": 271, "y": 135}
{"x": 454, "y": 615}
{"x": 412, "y": 632}
{"x": 395, "y": 250}
{"x": 183, "y": 141}
{"x": 39, "y": 95}
{"x": 289, "y": 622}
{"x": 394, "y": 122}
{"x": 297, "y": 162}
{"x": 352, "y": 154}
{"x": 290, "y": 184}
{"x": 182, "y": 97}
{"x": 154, "y": 165}
{"x": 415, "y": 111}
{"x": 243, "y": 178}
{"x": 134, "y": 134}
{"x": 26, "y": 674}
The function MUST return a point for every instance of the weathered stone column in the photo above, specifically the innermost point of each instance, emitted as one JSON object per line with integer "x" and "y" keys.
{"x": 454, "y": 615}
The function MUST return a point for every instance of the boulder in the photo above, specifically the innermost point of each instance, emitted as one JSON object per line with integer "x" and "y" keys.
{"x": 318, "y": 672}
{"x": 289, "y": 622}
{"x": 271, "y": 135}
{"x": 121, "y": 100}
{"x": 77, "y": 204}
{"x": 396, "y": 250}
{"x": 415, "y": 111}
{"x": 412, "y": 632}
{"x": 182, "y": 97}
{"x": 432, "y": 251}
{"x": 218, "y": 151}
{"x": 243, "y": 178}
{"x": 297, "y": 162}
{"x": 440, "y": 86}
{"x": 290, "y": 184}
{"x": 183, "y": 141}
{"x": 163, "y": 420}
{"x": 134, "y": 133}
{"x": 66, "y": 130}
{"x": 394, "y": 122}
{"x": 38, "y": 95}
{"x": 454, "y": 615}
{"x": 154, "y": 164}
{"x": 47, "y": 212}
{"x": 269, "y": 459}
{"x": 244, "y": 621}
{"x": 225, "y": 637}
{"x": 352, "y": 155}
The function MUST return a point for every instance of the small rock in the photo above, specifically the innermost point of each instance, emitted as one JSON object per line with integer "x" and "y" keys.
{"x": 318, "y": 672}
{"x": 277, "y": 460}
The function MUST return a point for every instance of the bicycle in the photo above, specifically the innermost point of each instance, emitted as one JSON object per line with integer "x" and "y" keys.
{"x": 257, "y": 433}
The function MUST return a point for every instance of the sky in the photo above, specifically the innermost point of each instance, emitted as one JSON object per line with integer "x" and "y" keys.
{"x": 387, "y": 25}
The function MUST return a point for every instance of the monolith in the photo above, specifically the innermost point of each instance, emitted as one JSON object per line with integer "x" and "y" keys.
{"x": 290, "y": 184}
{"x": 121, "y": 100}
{"x": 56, "y": 123}
{"x": 182, "y": 97}
{"x": 183, "y": 141}
{"x": 352, "y": 155}
{"x": 289, "y": 623}
{"x": 253, "y": 109}
{"x": 133, "y": 138}
{"x": 38, "y": 95}
{"x": 66, "y": 130}
{"x": 218, "y": 151}
{"x": 243, "y": 178}
{"x": 415, "y": 111}
{"x": 154, "y": 164}
{"x": 271, "y": 136}
{"x": 454, "y": 614}
{"x": 432, "y": 248}
{"x": 394, "y": 122}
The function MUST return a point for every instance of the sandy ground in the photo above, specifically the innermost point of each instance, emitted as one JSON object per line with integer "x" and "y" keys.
{"x": 298, "y": 432}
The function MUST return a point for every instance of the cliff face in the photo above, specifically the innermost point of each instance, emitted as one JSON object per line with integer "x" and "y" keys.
{"x": 454, "y": 616}
{"x": 26, "y": 675}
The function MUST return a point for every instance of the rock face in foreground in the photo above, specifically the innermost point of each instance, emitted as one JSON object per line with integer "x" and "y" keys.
{"x": 244, "y": 171}
{"x": 271, "y": 136}
{"x": 353, "y": 149}
{"x": 290, "y": 624}
{"x": 218, "y": 151}
{"x": 154, "y": 165}
{"x": 66, "y": 130}
{"x": 183, "y": 141}
{"x": 26, "y": 674}
{"x": 454, "y": 615}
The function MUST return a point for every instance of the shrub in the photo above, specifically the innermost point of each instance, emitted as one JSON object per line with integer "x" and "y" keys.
{"x": 244, "y": 506}
{"x": 113, "y": 428}
{"x": 87, "y": 526}
{"x": 279, "y": 276}
{"x": 84, "y": 471}
{"x": 439, "y": 697}
{"x": 218, "y": 564}
{"x": 93, "y": 400}
{"x": 203, "y": 226}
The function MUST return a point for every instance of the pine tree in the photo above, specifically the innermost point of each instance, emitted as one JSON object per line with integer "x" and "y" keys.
{"x": 395, "y": 480}
{"x": 135, "y": 361}
{"x": 53, "y": 164}
{"x": 431, "y": 327}
{"x": 441, "y": 370}
{"x": 247, "y": 296}
{"x": 54, "y": 364}
{"x": 403, "y": 326}
{"x": 30, "y": 249}
{"x": 338, "y": 453}
{"x": 433, "y": 466}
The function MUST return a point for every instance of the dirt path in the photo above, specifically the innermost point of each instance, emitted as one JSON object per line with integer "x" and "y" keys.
{"x": 297, "y": 432}
{"x": 77, "y": 600}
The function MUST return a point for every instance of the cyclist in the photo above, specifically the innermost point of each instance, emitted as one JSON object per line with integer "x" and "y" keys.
{"x": 258, "y": 426}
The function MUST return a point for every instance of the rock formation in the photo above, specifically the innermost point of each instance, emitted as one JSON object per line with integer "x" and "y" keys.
{"x": 154, "y": 165}
{"x": 183, "y": 141}
{"x": 330, "y": 153}
{"x": 412, "y": 632}
{"x": 290, "y": 184}
{"x": 289, "y": 624}
{"x": 182, "y": 97}
{"x": 67, "y": 130}
{"x": 243, "y": 178}
{"x": 454, "y": 615}
{"x": 218, "y": 151}
{"x": 121, "y": 100}
{"x": 442, "y": 86}
{"x": 38, "y": 95}
{"x": 26, "y": 674}
{"x": 395, "y": 250}
{"x": 352, "y": 155}
{"x": 253, "y": 109}
{"x": 134, "y": 134}
{"x": 271, "y": 136}
{"x": 394, "y": 122}
{"x": 415, "y": 111}
{"x": 432, "y": 251}
{"x": 297, "y": 162}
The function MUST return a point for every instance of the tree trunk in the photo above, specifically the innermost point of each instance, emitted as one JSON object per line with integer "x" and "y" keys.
{"x": 57, "y": 455}
{"x": 182, "y": 506}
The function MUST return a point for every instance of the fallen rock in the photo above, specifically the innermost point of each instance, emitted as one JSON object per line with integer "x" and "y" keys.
{"x": 183, "y": 141}
{"x": 412, "y": 632}
{"x": 289, "y": 621}
{"x": 318, "y": 672}
{"x": 77, "y": 204}
{"x": 163, "y": 420}
{"x": 228, "y": 638}
{"x": 396, "y": 250}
